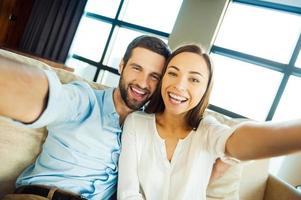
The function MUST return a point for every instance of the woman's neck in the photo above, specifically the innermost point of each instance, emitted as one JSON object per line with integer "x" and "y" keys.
{"x": 172, "y": 123}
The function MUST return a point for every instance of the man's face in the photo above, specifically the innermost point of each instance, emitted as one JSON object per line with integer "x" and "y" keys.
{"x": 140, "y": 77}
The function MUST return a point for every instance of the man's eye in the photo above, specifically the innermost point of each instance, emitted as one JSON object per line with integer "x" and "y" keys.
{"x": 156, "y": 78}
{"x": 136, "y": 68}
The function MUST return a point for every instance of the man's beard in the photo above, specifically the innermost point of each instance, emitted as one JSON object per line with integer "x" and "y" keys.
{"x": 131, "y": 103}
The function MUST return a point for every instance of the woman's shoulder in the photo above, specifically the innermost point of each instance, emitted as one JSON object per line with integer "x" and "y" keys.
{"x": 211, "y": 123}
{"x": 140, "y": 115}
{"x": 209, "y": 120}
{"x": 140, "y": 124}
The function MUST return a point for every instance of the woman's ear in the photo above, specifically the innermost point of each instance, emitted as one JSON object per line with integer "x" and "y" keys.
{"x": 121, "y": 66}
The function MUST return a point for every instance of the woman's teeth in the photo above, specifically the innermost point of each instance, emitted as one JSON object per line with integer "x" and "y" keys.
{"x": 177, "y": 98}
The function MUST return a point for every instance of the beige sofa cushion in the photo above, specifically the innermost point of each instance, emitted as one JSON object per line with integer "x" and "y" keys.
{"x": 253, "y": 183}
{"x": 18, "y": 148}
{"x": 226, "y": 187}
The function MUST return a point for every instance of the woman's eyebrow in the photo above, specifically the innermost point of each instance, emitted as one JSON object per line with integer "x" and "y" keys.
{"x": 190, "y": 72}
{"x": 197, "y": 73}
{"x": 174, "y": 67}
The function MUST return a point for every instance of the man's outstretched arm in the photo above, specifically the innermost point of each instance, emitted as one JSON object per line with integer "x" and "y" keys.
{"x": 23, "y": 91}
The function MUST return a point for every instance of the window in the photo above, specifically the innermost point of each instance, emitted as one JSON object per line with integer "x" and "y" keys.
{"x": 107, "y": 27}
{"x": 265, "y": 33}
{"x": 258, "y": 63}
{"x": 257, "y": 60}
{"x": 90, "y": 37}
{"x": 289, "y": 106}
{"x": 243, "y": 88}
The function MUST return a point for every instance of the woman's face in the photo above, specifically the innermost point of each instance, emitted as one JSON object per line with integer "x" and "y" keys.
{"x": 184, "y": 82}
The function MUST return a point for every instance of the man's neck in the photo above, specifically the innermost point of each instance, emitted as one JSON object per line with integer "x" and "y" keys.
{"x": 120, "y": 106}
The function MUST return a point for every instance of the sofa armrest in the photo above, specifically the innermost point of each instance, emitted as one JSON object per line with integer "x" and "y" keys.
{"x": 277, "y": 189}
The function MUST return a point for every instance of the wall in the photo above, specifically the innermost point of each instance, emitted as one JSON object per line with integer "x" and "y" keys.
{"x": 13, "y": 19}
{"x": 197, "y": 21}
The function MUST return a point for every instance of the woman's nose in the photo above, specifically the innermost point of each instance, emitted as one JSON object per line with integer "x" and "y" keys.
{"x": 181, "y": 84}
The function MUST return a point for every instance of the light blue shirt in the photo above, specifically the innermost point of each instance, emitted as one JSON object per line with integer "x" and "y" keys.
{"x": 82, "y": 148}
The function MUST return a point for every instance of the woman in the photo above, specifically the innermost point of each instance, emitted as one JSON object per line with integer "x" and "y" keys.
{"x": 169, "y": 153}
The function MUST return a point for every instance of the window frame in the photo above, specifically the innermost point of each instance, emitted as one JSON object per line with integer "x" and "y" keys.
{"x": 115, "y": 22}
{"x": 286, "y": 69}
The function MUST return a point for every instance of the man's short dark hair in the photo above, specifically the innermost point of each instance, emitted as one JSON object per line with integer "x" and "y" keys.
{"x": 148, "y": 42}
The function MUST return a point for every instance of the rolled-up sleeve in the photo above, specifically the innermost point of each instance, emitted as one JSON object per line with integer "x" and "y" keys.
{"x": 66, "y": 102}
{"x": 217, "y": 135}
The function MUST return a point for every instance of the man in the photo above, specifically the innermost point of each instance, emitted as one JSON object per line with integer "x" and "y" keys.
{"x": 80, "y": 154}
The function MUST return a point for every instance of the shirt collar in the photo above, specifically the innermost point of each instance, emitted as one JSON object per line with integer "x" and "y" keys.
{"x": 110, "y": 116}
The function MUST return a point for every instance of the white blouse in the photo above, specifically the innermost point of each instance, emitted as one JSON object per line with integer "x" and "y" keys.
{"x": 146, "y": 173}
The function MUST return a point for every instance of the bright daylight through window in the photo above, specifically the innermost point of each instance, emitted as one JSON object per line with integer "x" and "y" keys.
{"x": 255, "y": 55}
{"x": 258, "y": 64}
{"x": 106, "y": 29}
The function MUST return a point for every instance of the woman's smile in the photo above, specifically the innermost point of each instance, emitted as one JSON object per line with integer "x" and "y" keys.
{"x": 184, "y": 82}
{"x": 176, "y": 99}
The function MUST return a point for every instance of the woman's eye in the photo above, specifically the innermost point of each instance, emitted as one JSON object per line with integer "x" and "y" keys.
{"x": 172, "y": 73}
{"x": 194, "y": 80}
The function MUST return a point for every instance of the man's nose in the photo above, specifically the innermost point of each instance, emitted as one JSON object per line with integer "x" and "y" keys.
{"x": 142, "y": 81}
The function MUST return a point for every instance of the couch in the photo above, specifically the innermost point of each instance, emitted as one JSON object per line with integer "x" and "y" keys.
{"x": 19, "y": 147}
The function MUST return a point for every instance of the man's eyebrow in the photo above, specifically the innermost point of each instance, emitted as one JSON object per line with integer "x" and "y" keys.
{"x": 140, "y": 67}
{"x": 136, "y": 65}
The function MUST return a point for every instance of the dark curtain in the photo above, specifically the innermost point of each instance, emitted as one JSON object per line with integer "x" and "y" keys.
{"x": 51, "y": 28}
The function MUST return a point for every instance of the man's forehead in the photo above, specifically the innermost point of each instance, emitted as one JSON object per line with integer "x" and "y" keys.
{"x": 138, "y": 50}
{"x": 147, "y": 59}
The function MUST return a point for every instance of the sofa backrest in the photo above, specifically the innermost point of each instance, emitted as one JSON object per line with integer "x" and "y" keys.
{"x": 245, "y": 181}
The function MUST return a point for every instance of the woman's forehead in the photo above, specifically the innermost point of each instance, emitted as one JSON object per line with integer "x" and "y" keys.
{"x": 189, "y": 61}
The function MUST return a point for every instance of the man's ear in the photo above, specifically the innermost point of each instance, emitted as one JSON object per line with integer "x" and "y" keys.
{"x": 121, "y": 66}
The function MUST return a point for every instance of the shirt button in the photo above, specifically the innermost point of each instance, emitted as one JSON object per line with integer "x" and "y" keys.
{"x": 115, "y": 156}
{"x": 108, "y": 170}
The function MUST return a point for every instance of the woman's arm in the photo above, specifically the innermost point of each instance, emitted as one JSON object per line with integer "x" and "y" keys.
{"x": 262, "y": 140}
{"x": 128, "y": 181}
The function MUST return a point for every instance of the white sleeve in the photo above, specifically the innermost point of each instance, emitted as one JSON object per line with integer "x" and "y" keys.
{"x": 217, "y": 135}
{"x": 128, "y": 181}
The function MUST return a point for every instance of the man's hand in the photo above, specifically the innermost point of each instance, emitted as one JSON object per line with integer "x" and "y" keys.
{"x": 23, "y": 90}
{"x": 219, "y": 169}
